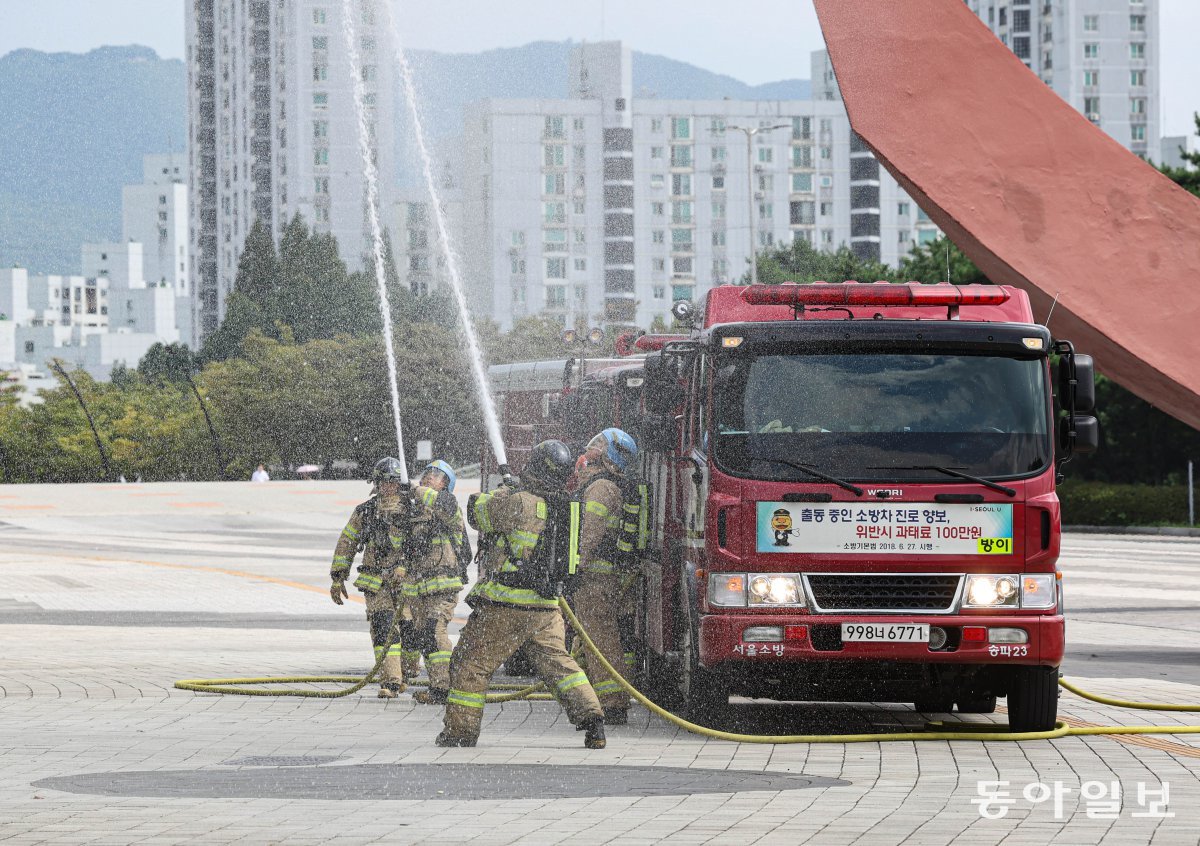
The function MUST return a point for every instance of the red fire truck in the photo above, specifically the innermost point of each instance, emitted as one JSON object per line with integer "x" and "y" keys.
{"x": 854, "y": 495}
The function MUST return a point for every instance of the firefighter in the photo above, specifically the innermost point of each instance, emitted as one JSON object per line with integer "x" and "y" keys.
{"x": 515, "y": 604}
{"x": 599, "y": 599}
{"x": 435, "y": 559}
{"x": 376, "y": 528}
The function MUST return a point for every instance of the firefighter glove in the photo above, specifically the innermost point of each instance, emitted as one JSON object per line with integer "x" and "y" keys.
{"x": 337, "y": 591}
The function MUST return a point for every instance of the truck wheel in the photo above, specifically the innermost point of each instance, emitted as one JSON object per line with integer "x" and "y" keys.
{"x": 934, "y": 705}
{"x": 1033, "y": 699}
{"x": 976, "y": 704}
{"x": 705, "y": 693}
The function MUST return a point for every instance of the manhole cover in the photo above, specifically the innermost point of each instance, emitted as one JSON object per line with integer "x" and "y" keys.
{"x": 282, "y": 761}
{"x": 431, "y": 781}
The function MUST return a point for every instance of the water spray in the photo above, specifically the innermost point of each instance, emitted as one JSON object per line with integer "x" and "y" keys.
{"x": 491, "y": 420}
{"x": 372, "y": 179}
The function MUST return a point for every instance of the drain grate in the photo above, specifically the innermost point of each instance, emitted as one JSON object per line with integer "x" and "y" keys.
{"x": 431, "y": 781}
{"x": 282, "y": 761}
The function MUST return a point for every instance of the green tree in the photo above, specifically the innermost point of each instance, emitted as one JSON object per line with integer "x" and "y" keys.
{"x": 1188, "y": 176}
{"x": 928, "y": 263}
{"x": 799, "y": 261}
{"x": 167, "y": 363}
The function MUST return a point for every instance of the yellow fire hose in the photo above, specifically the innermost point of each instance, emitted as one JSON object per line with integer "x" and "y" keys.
{"x": 962, "y": 731}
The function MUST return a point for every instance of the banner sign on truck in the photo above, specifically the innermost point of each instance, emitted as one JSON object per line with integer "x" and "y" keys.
{"x": 903, "y": 527}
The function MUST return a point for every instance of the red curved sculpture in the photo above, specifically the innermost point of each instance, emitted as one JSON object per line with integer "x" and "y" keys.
{"x": 1035, "y": 194}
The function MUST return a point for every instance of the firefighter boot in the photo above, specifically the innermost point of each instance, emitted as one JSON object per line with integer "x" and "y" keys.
{"x": 593, "y": 728}
{"x": 449, "y": 741}
{"x": 616, "y": 716}
{"x": 390, "y": 690}
{"x": 430, "y": 696}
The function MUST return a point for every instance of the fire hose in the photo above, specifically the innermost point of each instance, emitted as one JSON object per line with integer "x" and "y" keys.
{"x": 511, "y": 692}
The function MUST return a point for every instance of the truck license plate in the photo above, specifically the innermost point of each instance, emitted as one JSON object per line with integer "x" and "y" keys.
{"x": 886, "y": 632}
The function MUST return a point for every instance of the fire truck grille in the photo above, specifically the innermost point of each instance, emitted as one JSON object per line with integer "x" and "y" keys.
{"x": 884, "y": 592}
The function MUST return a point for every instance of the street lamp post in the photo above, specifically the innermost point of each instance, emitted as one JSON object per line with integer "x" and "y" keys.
{"x": 751, "y": 131}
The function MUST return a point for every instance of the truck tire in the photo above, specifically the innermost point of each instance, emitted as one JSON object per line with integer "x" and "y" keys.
{"x": 934, "y": 705}
{"x": 976, "y": 703}
{"x": 1033, "y": 699}
{"x": 705, "y": 693}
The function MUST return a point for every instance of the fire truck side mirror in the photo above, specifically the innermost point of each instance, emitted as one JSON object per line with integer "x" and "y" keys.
{"x": 661, "y": 390}
{"x": 1080, "y": 369}
{"x": 1084, "y": 439}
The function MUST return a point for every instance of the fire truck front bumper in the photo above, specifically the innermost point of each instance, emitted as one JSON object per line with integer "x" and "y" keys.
{"x": 743, "y": 639}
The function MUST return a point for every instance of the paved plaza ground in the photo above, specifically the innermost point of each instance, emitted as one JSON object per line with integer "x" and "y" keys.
{"x": 109, "y": 593}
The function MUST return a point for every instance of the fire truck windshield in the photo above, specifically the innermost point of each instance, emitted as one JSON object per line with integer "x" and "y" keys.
{"x": 881, "y": 416}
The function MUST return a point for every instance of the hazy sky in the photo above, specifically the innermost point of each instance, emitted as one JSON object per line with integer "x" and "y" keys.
{"x": 752, "y": 40}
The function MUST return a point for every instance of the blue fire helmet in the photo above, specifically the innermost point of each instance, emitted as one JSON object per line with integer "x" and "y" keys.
{"x": 619, "y": 447}
{"x": 445, "y": 469}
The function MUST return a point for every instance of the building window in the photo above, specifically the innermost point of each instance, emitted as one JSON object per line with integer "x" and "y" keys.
{"x": 681, "y": 185}
{"x": 1091, "y": 51}
{"x": 554, "y": 155}
{"x": 580, "y": 264}
{"x": 766, "y": 210}
{"x": 619, "y": 104}
{"x": 658, "y": 264}
{"x": 656, "y": 152}
{"x": 320, "y": 129}
{"x": 657, "y": 236}
{"x": 556, "y": 183}
{"x": 320, "y": 100}
{"x": 418, "y": 239}
{"x": 1137, "y": 50}
{"x": 765, "y": 155}
{"x": 657, "y": 180}
{"x": 719, "y": 154}
{"x": 681, "y": 266}
{"x": 681, "y": 212}
{"x": 801, "y": 128}
{"x": 802, "y": 212}
{"x": 720, "y": 268}
{"x": 717, "y": 126}
{"x": 370, "y": 73}
{"x": 718, "y": 211}
{"x": 681, "y": 156}
{"x": 556, "y": 268}
{"x": 555, "y": 240}
{"x": 518, "y": 238}
{"x": 718, "y": 238}
{"x": 1020, "y": 20}
{"x": 681, "y": 292}
{"x": 718, "y": 183}
{"x": 826, "y": 209}
{"x": 319, "y": 17}
{"x": 518, "y": 295}
{"x": 660, "y": 292}
{"x": 555, "y": 213}
{"x": 517, "y": 265}
{"x": 1091, "y": 78}
{"x": 802, "y": 182}
{"x": 656, "y": 124}
{"x": 555, "y": 127}
{"x": 826, "y": 153}
{"x": 902, "y": 209}
{"x": 320, "y": 72}
{"x": 766, "y": 183}
{"x": 1138, "y": 131}
{"x": 681, "y": 240}
{"x": 1020, "y": 46}
{"x": 321, "y": 156}
{"x": 1137, "y": 23}
{"x": 28, "y": 347}
{"x": 1137, "y": 78}
{"x": 1137, "y": 106}
{"x": 802, "y": 156}
{"x": 418, "y": 262}
{"x": 827, "y": 237}
{"x": 579, "y": 207}
{"x": 1091, "y": 107}
{"x": 556, "y": 296}
{"x": 577, "y": 124}
{"x": 903, "y": 236}
{"x": 580, "y": 236}
{"x": 681, "y": 128}
{"x": 1091, "y": 23}
{"x": 320, "y": 42}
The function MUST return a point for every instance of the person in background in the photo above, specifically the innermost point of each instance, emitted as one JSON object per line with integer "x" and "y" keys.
{"x": 260, "y": 475}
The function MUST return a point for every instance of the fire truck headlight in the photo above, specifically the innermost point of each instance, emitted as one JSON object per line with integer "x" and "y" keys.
{"x": 775, "y": 590}
{"x": 727, "y": 589}
{"x": 991, "y": 592}
{"x": 1037, "y": 590}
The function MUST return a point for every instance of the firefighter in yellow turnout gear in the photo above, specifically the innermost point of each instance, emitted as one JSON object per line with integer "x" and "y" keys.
{"x": 515, "y": 604}
{"x": 436, "y": 559}
{"x": 376, "y": 528}
{"x": 603, "y": 543}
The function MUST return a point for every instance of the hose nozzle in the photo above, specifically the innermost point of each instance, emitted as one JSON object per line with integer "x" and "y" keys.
{"x": 506, "y": 476}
